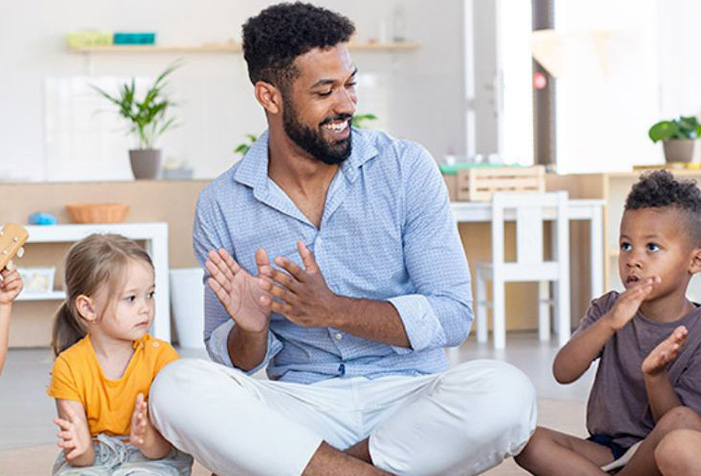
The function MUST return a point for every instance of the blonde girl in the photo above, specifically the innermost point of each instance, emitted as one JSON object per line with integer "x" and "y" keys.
{"x": 105, "y": 363}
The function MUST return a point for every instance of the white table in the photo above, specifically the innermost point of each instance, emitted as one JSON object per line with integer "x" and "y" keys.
{"x": 590, "y": 210}
{"x": 154, "y": 234}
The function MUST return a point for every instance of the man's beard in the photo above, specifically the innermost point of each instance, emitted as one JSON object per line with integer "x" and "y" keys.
{"x": 312, "y": 141}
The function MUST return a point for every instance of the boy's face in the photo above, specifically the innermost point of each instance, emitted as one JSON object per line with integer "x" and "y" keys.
{"x": 656, "y": 242}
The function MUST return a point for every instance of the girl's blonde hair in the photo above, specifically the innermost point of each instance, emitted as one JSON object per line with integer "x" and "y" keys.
{"x": 91, "y": 263}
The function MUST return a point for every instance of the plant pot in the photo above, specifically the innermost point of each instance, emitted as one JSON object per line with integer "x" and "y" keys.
{"x": 679, "y": 150}
{"x": 145, "y": 163}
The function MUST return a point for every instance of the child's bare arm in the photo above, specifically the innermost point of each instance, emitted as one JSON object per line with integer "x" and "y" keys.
{"x": 144, "y": 435}
{"x": 577, "y": 355}
{"x": 10, "y": 287}
{"x": 660, "y": 392}
{"x": 74, "y": 435}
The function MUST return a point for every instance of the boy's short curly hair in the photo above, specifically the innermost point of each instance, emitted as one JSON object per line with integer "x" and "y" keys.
{"x": 659, "y": 189}
{"x": 280, "y": 33}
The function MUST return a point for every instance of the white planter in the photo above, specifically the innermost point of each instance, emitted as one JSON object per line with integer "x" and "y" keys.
{"x": 187, "y": 303}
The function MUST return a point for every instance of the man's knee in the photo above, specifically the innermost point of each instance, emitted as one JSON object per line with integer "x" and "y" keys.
{"x": 178, "y": 386}
{"x": 506, "y": 394}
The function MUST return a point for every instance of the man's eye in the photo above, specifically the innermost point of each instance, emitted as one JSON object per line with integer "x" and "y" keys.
{"x": 626, "y": 247}
{"x": 325, "y": 93}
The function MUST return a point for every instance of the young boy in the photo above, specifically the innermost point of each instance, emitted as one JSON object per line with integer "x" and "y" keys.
{"x": 648, "y": 340}
{"x": 10, "y": 287}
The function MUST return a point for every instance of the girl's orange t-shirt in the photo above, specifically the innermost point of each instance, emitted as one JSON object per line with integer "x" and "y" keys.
{"x": 109, "y": 404}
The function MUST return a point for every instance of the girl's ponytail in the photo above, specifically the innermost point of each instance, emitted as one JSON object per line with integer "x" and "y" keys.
{"x": 68, "y": 328}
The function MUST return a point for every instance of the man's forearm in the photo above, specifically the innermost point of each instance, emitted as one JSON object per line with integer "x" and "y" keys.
{"x": 247, "y": 349}
{"x": 377, "y": 321}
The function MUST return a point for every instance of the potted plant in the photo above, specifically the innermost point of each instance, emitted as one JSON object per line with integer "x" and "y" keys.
{"x": 148, "y": 120}
{"x": 678, "y": 137}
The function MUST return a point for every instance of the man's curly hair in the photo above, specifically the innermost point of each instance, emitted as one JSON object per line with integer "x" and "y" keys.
{"x": 659, "y": 189}
{"x": 280, "y": 33}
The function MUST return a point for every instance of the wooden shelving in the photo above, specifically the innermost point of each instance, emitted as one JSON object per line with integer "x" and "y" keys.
{"x": 224, "y": 48}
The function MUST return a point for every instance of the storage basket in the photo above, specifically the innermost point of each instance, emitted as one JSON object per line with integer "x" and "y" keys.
{"x": 478, "y": 184}
{"x": 97, "y": 212}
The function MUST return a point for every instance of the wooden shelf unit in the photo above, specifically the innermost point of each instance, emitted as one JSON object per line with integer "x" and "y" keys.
{"x": 224, "y": 48}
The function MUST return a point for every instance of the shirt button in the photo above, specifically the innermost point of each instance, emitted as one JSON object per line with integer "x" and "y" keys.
{"x": 319, "y": 241}
{"x": 338, "y": 336}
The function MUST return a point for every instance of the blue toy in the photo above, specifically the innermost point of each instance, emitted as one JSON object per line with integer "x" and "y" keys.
{"x": 42, "y": 218}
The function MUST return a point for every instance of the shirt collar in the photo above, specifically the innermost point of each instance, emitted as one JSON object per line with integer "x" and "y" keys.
{"x": 253, "y": 170}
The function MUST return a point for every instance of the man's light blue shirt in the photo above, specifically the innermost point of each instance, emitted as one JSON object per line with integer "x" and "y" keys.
{"x": 387, "y": 233}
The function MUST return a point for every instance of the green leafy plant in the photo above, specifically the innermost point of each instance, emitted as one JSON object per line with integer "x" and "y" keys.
{"x": 243, "y": 147}
{"x": 360, "y": 119}
{"x": 682, "y": 128}
{"x": 148, "y": 118}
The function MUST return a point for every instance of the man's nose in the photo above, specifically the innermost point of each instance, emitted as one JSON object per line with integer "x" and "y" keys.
{"x": 346, "y": 102}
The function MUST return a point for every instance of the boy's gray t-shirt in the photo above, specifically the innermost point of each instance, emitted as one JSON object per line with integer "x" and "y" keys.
{"x": 618, "y": 405}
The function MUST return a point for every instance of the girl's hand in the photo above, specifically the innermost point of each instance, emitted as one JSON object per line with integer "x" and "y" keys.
{"x": 629, "y": 302}
{"x": 10, "y": 286}
{"x": 140, "y": 423}
{"x": 144, "y": 435}
{"x": 665, "y": 353}
{"x": 73, "y": 436}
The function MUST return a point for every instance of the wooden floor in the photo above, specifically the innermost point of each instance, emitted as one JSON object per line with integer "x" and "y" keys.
{"x": 27, "y": 434}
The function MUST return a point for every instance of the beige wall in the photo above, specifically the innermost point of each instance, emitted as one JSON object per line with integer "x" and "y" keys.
{"x": 151, "y": 201}
{"x": 174, "y": 202}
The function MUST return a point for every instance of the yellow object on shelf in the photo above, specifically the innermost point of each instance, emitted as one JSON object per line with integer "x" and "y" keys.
{"x": 97, "y": 212}
{"x": 670, "y": 166}
{"x": 81, "y": 39}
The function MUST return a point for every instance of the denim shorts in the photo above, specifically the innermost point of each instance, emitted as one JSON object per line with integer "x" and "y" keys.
{"x": 605, "y": 440}
{"x": 114, "y": 457}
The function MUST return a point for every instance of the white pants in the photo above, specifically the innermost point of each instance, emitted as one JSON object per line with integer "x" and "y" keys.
{"x": 457, "y": 423}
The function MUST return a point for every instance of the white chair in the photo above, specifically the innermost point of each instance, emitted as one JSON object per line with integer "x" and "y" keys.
{"x": 529, "y": 210}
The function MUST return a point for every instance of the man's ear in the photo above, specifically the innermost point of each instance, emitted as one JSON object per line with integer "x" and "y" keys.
{"x": 695, "y": 266}
{"x": 86, "y": 308}
{"x": 269, "y": 97}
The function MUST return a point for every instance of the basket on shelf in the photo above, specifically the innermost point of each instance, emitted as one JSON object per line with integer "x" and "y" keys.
{"x": 97, "y": 212}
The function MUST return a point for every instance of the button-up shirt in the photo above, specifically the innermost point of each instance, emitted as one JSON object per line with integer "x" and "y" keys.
{"x": 386, "y": 233}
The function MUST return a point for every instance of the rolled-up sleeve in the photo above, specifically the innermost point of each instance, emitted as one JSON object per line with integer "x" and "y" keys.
{"x": 439, "y": 314}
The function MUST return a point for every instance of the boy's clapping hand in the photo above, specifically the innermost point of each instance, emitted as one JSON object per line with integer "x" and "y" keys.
{"x": 665, "y": 352}
{"x": 629, "y": 302}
